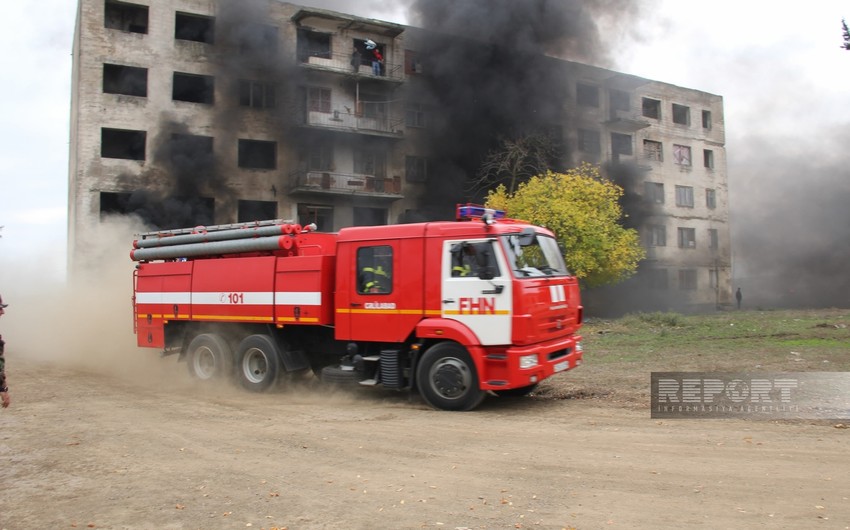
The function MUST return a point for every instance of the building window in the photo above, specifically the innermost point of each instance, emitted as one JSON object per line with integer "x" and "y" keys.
{"x": 256, "y": 211}
{"x": 621, "y": 144}
{"x": 651, "y": 108}
{"x": 712, "y": 238}
{"x": 320, "y": 157}
{"x": 194, "y": 210}
{"x": 190, "y": 151}
{"x": 652, "y": 151}
{"x": 657, "y": 236}
{"x": 416, "y": 168}
{"x": 708, "y": 158}
{"x": 414, "y": 115}
{"x": 682, "y": 155}
{"x": 657, "y": 278}
{"x": 257, "y": 154}
{"x": 374, "y": 269}
{"x": 313, "y": 44}
{"x": 321, "y": 215}
{"x": 193, "y": 88}
{"x": 588, "y": 141}
{"x": 587, "y": 95}
{"x": 369, "y": 162}
{"x": 685, "y": 196}
{"x": 687, "y": 238}
{"x": 319, "y": 99}
{"x": 196, "y": 28}
{"x": 257, "y": 41}
{"x": 256, "y": 94}
{"x": 372, "y": 106}
{"x": 681, "y": 114}
{"x": 619, "y": 100}
{"x": 710, "y": 199}
{"x": 688, "y": 279}
{"x": 120, "y": 143}
{"x": 713, "y": 280}
{"x": 126, "y": 80}
{"x": 412, "y": 63}
{"x": 126, "y": 17}
{"x": 706, "y": 119}
{"x": 655, "y": 192}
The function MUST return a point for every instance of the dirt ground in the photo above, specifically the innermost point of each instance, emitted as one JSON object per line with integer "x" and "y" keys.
{"x": 142, "y": 446}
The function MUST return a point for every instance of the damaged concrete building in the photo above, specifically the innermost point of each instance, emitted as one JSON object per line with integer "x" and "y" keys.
{"x": 197, "y": 112}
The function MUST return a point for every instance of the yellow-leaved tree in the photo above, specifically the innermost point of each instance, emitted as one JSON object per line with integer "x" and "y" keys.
{"x": 584, "y": 212}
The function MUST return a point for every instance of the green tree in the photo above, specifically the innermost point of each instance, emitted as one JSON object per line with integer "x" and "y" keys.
{"x": 845, "y": 34}
{"x": 584, "y": 212}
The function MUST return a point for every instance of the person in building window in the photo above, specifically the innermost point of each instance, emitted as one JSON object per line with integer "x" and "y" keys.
{"x": 355, "y": 60}
{"x": 4, "y": 390}
{"x": 374, "y": 280}
{"x": 377, "y": 58}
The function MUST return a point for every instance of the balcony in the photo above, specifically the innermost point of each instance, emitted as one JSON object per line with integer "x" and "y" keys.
{"x": 329, "y": 183}
{"x": 341, "y": 63}
{"x": 626, "y": 121}
{"x": 348, "y": 120}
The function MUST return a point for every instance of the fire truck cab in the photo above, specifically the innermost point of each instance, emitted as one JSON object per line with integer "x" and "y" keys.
{"x": 453, "y": 310}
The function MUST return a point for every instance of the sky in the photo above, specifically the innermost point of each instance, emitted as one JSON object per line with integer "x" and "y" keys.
{"x": 778, "y": 65}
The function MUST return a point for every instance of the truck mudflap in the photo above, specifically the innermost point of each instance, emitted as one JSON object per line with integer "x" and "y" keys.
{"x": 521, "y": 366}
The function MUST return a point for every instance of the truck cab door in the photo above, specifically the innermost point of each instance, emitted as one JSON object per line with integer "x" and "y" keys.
{"x": 476, "y": 289}
{"x": 370, "y": 297}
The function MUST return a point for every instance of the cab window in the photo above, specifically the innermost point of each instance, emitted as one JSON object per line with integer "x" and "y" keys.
{"x": 375, "y": 270}
{"x": 474, "y": 260}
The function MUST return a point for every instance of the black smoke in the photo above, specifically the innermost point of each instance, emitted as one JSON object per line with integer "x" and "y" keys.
{"x": 493, "y": 69}
{"x": 791, "y": 220}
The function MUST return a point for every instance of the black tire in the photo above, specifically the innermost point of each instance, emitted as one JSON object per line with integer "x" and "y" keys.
{"x": 447, "y": 379}
{"x": 258, "y": 363}
{"x": 516, "y": 392}
{"x": 209, "y": 358}
{"x": 339, "y": 376}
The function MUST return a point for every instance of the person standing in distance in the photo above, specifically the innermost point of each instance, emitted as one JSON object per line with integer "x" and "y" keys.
{"x": 4, "y": 390}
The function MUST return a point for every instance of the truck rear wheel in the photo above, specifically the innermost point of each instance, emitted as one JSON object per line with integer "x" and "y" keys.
{"x": 209, "y": 357}
{"x": 258, "y": 363}
{"x": 447, "y": 379}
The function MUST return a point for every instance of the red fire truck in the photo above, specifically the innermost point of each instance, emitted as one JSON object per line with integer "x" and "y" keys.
{"x": 453, "y": 310}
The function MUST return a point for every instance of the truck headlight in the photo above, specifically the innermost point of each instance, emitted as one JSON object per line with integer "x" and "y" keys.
{"x": 578, "y": 347}
{"x": 528, "y": 361}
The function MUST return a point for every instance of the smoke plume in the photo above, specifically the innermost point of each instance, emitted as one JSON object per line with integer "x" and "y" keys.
{"x": 790, "y": 220}
{"x": 491, "y": 67}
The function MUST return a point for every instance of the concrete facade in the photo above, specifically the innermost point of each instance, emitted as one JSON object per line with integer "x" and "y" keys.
{"x": 189, "y": 108}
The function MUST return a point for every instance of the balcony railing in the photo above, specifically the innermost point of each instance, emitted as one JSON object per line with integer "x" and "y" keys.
{"x": 345, "y": 184}
{"x": 347, "y": 119}
{"x": 338, "y": 62}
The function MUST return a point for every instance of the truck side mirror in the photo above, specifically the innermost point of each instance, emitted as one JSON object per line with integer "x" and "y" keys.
{"x": 486, "y": 273}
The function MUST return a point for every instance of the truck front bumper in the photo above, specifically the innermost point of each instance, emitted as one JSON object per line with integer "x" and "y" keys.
{"x": 521, "y": 366}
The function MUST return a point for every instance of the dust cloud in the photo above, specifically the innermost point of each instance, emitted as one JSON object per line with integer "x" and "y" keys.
{"x": 87, "y": 324}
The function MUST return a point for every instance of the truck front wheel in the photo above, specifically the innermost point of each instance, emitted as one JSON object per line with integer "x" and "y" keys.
{"x": 209, "y": 357}
{"x": 447, "y": 379}
{"x": 258, "y": 362}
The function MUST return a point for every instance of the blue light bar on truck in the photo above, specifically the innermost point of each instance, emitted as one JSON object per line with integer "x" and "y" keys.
{"x": 471, "y": 211}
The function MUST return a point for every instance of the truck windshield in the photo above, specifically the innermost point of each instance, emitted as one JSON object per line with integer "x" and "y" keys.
{"x": 531, "y": 254}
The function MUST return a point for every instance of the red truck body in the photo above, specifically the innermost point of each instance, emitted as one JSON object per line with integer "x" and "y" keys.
{"x": 452, "y": 309}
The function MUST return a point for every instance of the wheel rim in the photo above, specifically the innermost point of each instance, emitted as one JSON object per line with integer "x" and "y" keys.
{"x": 450, "y": 378}
{"x": 255, "y": 366}
{"x": 204, "y": 363}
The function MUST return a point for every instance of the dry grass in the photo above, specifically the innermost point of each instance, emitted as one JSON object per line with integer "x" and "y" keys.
{"x": 620, "y": 355}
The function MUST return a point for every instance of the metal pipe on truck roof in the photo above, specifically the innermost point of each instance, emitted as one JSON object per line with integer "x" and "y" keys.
{"x": 220, "y": 235}
{"x": 213, "y": 248}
